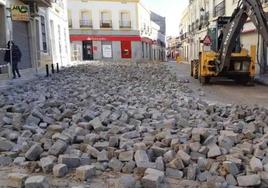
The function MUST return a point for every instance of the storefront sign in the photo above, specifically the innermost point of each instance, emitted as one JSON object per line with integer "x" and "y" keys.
{"x": 104, "y": 38}
{"x": 20, "y": 12}
{"x": 107, "y": 50}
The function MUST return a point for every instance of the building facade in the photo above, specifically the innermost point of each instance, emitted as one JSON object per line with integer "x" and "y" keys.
{"x": 37, "y": 36}
{"x": 160, "y": 36}
{"x": 52, "y": 35}
{"x": 119, "y": 30}
{"x": 200, "y": 18}
{"x": 173, "y": 48}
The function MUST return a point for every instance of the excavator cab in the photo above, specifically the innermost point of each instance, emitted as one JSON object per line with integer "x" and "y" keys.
{"x": 227, "y": 58}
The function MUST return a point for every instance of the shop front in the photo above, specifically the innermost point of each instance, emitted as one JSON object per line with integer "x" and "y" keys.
{"x": 107, "y": 47}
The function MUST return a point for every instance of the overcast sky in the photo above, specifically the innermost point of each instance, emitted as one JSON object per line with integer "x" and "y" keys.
{"x": 171, "y": 9}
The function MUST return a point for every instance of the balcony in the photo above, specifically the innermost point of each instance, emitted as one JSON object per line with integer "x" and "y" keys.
{"x": 219, "y": 9}
{"x": 85, "y": 23}
{"x": 125, "y": 24}
{"x": 39, "y": 3}
{"x": 183, "y": 36}
{"x": 106, "y": 24}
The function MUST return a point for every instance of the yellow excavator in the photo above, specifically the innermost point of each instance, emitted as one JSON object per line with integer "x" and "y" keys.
{"x": 228, "y": 60}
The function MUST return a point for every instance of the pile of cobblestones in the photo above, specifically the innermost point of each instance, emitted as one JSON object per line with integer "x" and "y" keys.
{"x": 134, "y": 120}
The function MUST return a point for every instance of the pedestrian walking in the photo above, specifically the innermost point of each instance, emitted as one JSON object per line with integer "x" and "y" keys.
{"x": 16, "y": 57}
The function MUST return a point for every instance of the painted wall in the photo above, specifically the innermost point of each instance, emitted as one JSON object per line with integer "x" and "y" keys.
{"x": 57, "y": 35}
{"x": 144, "y": 16}
{"x": 97, "y": 54}
{"x": 96, "y": 7}
{"x": 136, "y": 51}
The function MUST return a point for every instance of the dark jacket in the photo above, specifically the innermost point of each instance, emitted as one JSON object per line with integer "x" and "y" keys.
{"x": 16, "y": 54}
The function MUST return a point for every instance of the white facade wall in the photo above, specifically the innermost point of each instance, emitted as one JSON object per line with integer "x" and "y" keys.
{"x": 141, "y": 27}
{"x": 115, "y": 8}
{"x": 145, "y": 24}
{"x": 59, "y": 41}
{"x": 57, "y": 35}
{"x": 192, "y": 46}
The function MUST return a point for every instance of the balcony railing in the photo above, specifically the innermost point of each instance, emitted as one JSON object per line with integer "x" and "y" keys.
{"x": 204, "y": 20}
{"x": 85, "y": 23}
{"x": 125, "y": 24}
{"x": 106, "y": 24}
{"x": 219, "y": 9}
{"x": 183, "y": 36}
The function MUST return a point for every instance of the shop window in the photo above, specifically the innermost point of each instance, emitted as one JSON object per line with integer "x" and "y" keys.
{"x": 44, "y": 35}
{"x": 107, "y": 50}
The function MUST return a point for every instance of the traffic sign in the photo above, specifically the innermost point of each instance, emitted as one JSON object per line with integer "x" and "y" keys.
{"x": 207, "y": 40}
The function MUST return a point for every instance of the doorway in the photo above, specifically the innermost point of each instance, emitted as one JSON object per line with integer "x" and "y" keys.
{"x": 87, "y": 50}
{"x": 21, "y": 38}
{"x": 126, "y": 49}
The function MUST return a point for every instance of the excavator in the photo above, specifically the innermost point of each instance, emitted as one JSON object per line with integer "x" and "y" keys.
{"x": 228, "y": 60}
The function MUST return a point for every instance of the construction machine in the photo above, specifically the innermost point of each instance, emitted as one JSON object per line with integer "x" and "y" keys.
{"x": 228, "y": 59}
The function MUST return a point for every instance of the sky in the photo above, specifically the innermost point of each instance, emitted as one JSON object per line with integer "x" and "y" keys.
{"x": 171, "y": 9}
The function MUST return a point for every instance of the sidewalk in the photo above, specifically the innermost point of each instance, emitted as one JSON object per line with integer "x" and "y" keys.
{"x": 262, "y": 79}
{"x": 6, "y": 83}
{"x": 29, "y": 75}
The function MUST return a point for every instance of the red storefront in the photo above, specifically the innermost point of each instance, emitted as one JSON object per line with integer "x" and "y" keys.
{"x": 125, "y": 44}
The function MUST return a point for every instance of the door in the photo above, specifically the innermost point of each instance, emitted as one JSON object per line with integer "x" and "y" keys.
{"x": 87, "y": 50}
{"x": 38, "y": 43}
{"x": 21, "y": 38}
{"x": 126, "y": 49}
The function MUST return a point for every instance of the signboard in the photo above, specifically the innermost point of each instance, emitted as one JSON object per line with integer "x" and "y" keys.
{"x": 107, "y": 50}
{"x": 207, "y": 41}
{"x": 20, "y": 13}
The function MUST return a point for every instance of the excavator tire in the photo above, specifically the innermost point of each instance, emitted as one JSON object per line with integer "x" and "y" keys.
{"x": 247, "y": 81}
{"x": 204, "y": 80}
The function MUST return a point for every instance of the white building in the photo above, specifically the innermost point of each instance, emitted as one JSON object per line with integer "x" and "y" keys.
{"x": 201, "y": 17}
{"x": 52, "y": 34}
{"x": 43, "y": 39}
{"x": 119, "y": 30}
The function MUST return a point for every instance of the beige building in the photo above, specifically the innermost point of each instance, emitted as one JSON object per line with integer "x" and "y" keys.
{"x": 201, "y": 18}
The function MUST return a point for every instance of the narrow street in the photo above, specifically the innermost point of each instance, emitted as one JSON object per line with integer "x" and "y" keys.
{"x": 222, "y": 90}
{"x": 122, "y": 125}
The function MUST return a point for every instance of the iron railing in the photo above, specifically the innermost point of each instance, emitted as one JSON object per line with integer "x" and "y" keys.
{"x": 125, "y": 24}
{"x": 219, "y": 10}
{"x": 106, "y": 23}
{"x": 85, "y": 23}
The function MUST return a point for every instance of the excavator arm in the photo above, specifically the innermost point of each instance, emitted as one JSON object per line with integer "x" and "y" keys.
{"x": 246, "y": 9}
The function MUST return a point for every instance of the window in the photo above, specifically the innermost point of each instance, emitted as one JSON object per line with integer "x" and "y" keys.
{"x": 70, "y": 23}
{"x": 85, "y": 19}
{"x": 106, "y": 21}
{"x": 219, "y": 9}
{"x": 125, "y": 20}
{"x": 107, "y": 50}
{"x": 65, "y": 42}
{"x": 59, "y": 33}
{"x": 44, "y": 35}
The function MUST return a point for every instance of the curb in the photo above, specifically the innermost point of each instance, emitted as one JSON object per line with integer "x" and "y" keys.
{"x": 262, "y": 81}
